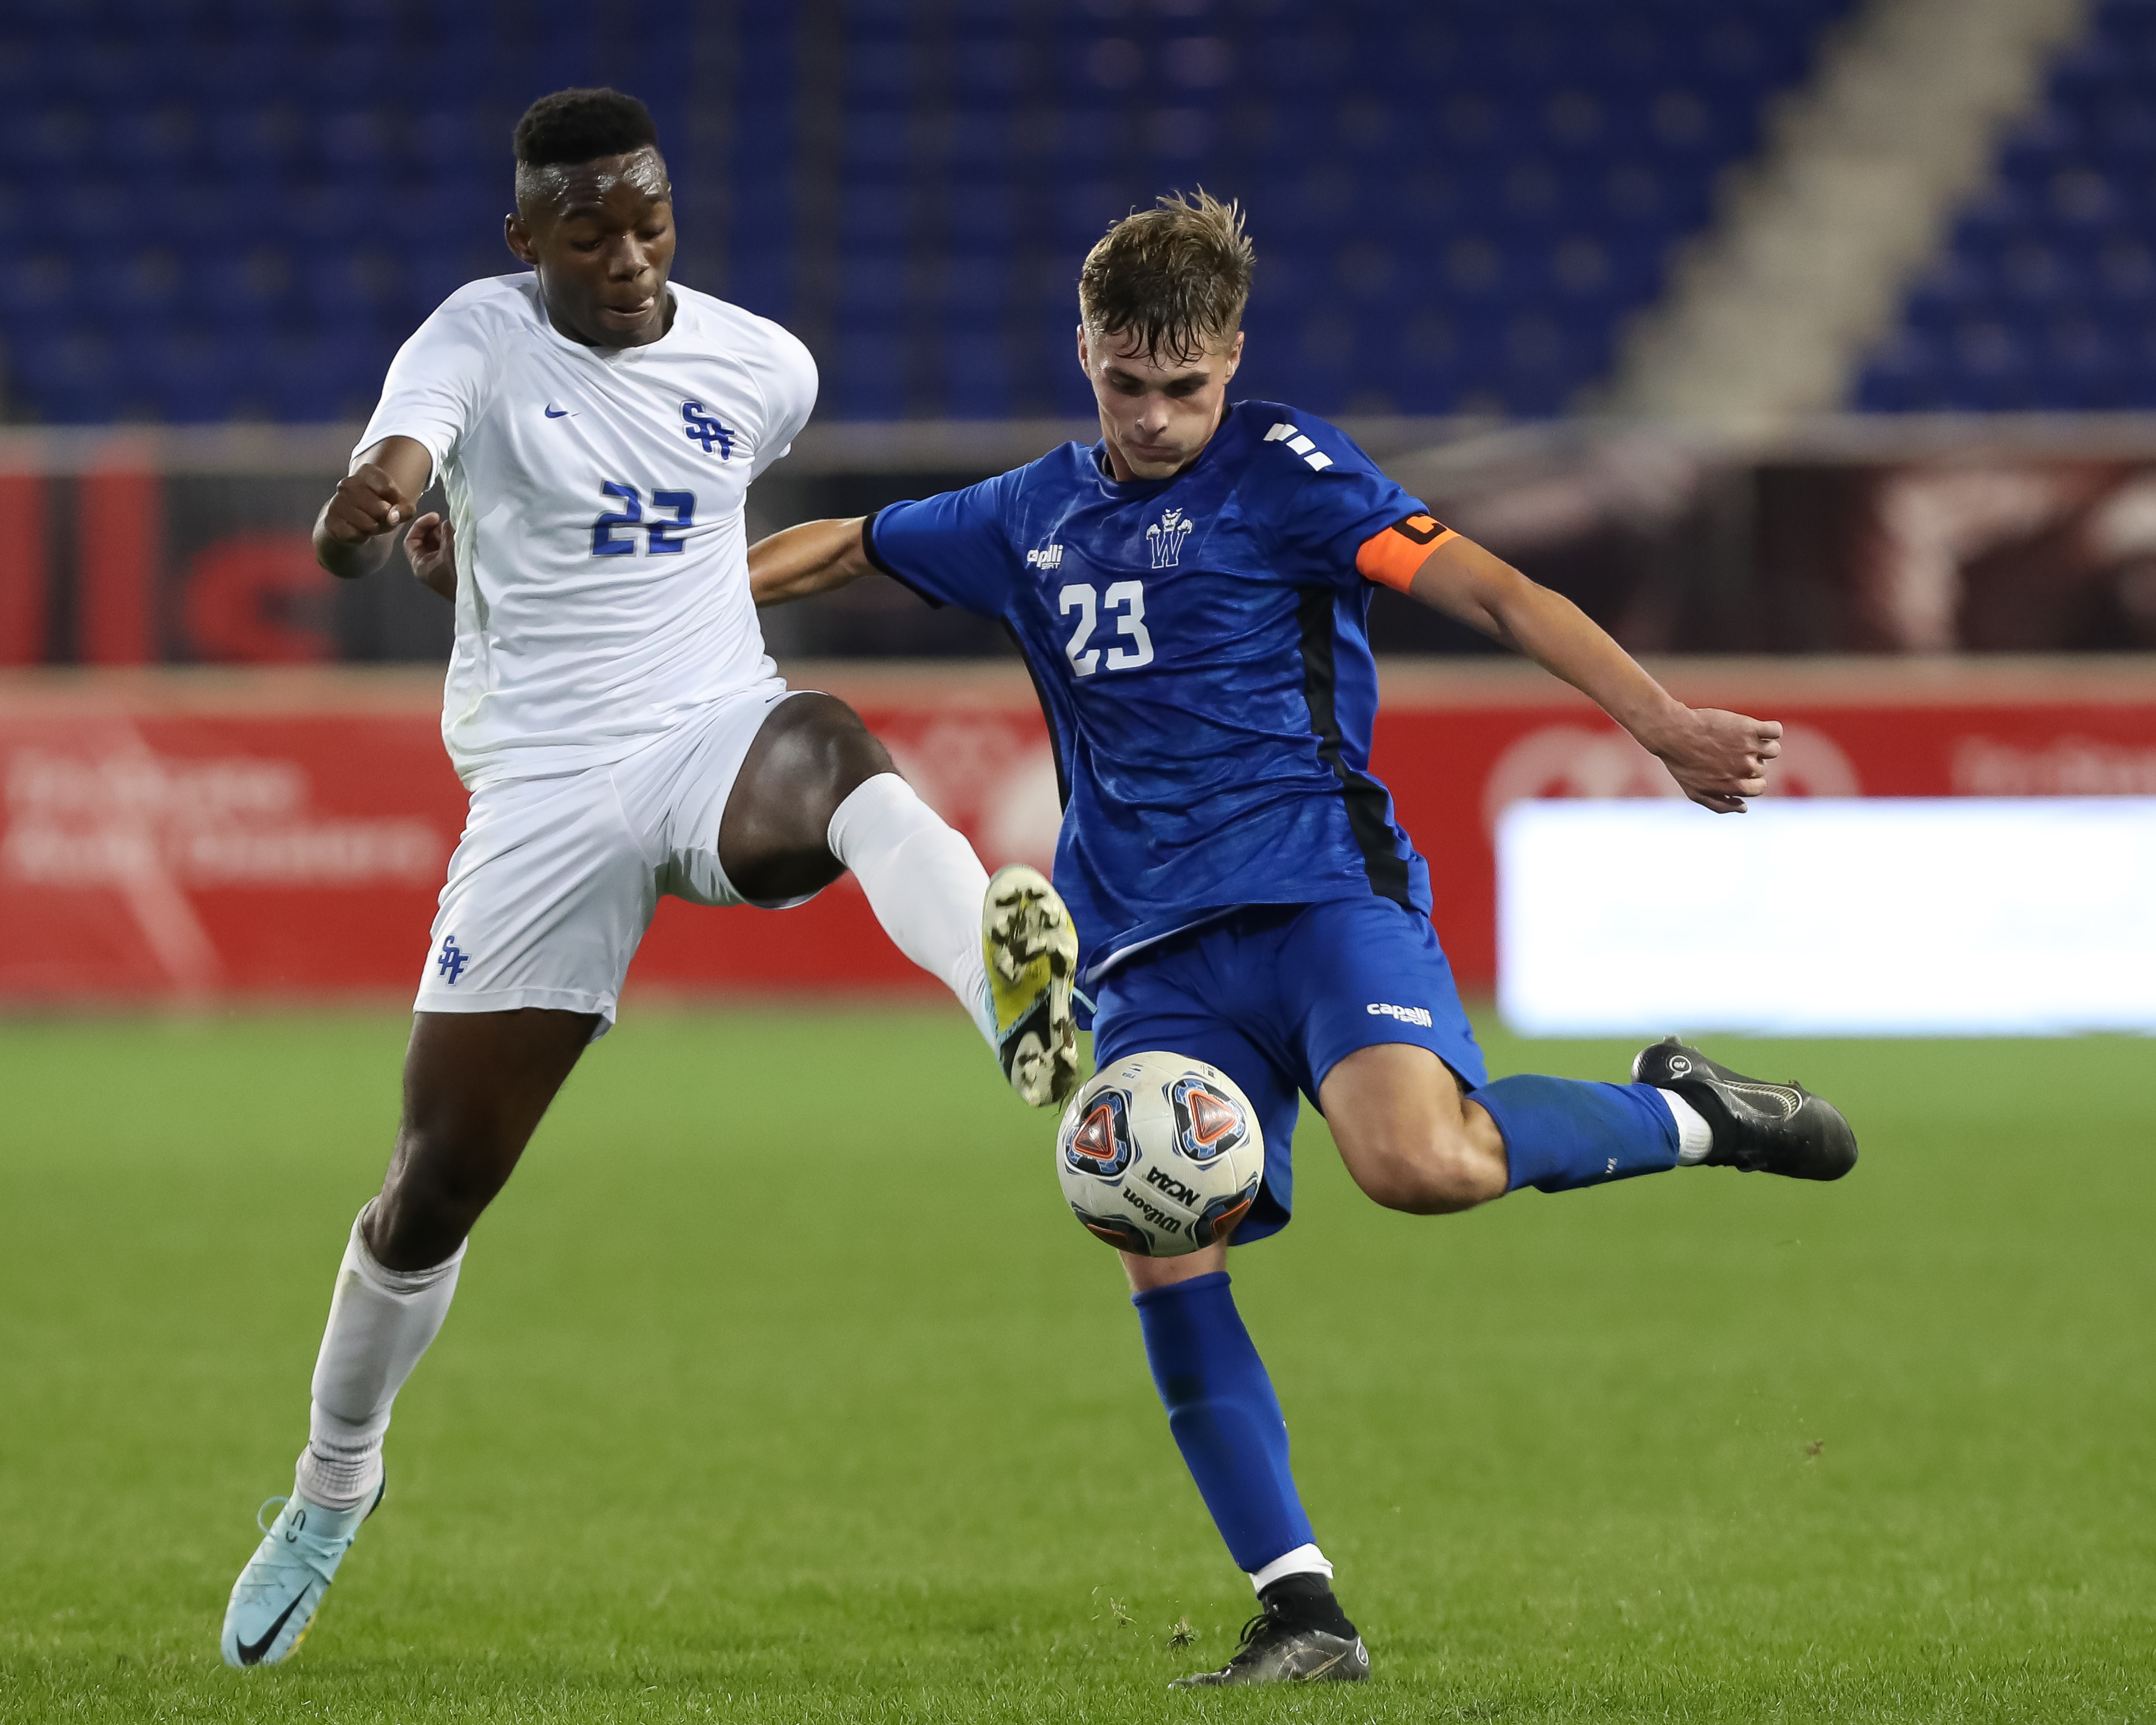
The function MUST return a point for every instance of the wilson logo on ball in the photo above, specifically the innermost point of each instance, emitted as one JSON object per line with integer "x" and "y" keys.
{"x": 1208, "y": 1123}
{"x": 1101, "y": 1146}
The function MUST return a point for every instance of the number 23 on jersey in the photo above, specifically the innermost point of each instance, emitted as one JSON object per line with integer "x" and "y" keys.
{"x": 1125, "y": 602}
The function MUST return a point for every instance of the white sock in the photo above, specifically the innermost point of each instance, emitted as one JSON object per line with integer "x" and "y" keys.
{"x": 381, "y": 1322}
{"x": 1695, "y": 1136}
{"x": 1303, "y": 1560}
{"x": 924, "y": 883}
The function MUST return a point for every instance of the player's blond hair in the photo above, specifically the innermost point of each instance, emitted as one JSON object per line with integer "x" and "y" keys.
{"x": 1173, "y": 278}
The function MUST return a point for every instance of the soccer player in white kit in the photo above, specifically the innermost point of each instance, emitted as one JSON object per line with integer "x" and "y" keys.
{"x": 624, "y": 734}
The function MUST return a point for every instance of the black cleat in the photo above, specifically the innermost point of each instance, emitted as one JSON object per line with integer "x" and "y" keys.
{"x": 1281, "y": 1646}
{"x": 1758, "y": 1127}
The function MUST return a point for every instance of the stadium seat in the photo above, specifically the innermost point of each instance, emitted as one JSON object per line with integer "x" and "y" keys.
{"x": 2046, "y": 280}
{"x": 143, "y": 288}
{"x": 76, "y": 378}
{"x": 330, "y": 171}
{"x": 869, "y": 381}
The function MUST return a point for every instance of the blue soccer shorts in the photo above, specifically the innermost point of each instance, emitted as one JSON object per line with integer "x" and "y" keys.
{"x": 1277, "y": 995}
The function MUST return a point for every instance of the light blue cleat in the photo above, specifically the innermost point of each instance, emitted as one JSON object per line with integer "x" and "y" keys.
{"x": 274, "y": 1602}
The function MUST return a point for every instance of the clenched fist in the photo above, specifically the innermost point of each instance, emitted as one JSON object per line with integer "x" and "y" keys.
{"x": 366, "y": 504}
{"x": 431, "y": 549}
{"x": 1718, "y": 759}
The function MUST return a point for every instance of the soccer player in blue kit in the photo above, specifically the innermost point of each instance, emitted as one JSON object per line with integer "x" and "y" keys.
{"x": 1190, "y": 594}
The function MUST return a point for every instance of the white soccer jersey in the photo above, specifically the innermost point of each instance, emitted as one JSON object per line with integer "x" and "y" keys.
{"x": 602, "y": 561}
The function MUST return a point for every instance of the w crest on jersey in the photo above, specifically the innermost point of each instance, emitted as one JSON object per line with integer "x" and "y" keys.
{"x": 1165, "y": 537}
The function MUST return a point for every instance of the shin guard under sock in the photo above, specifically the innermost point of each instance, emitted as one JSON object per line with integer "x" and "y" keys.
{"x": 1563, "y": 1132}
{"x": 1226, "y": 1420}
{"x": 381, "y": 1322}
{"x": 924, "y": 883}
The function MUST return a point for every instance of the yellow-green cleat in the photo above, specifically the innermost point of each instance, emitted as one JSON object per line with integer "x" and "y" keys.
{"x": 1031, "y": 949}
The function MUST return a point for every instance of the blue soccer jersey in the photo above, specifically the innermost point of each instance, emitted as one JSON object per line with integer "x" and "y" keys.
{"x": 1201, "y": 649}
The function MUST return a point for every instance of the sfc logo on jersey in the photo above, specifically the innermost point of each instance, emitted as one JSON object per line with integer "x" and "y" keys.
{"x": 1207, "y": 1122}
{"x": 453, "y": 960}
{"x": 705, "y": 428}
{"x": 1165, "y": 537}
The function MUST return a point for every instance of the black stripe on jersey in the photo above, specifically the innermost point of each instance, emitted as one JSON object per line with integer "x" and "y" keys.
{"x": 876, "y": 557}
{"x": 1365, "y": 798}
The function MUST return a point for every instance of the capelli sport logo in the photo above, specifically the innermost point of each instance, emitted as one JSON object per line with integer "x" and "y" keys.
{"x": 1405, "y": 1014}
{"x": 1044, "y": 557}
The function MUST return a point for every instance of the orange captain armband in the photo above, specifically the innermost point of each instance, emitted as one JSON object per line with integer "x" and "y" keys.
{"x": 1391, "y": 558}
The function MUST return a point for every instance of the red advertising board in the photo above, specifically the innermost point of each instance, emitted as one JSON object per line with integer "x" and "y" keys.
{"x": 175, "y": 835}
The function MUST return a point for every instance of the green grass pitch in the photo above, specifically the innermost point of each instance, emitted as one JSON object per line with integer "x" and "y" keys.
{"x": 781, "y": 1387}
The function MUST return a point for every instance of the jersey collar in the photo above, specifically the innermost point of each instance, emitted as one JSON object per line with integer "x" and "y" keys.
{"x": 1137, "y": 490}
{"x": 614, "y": 356}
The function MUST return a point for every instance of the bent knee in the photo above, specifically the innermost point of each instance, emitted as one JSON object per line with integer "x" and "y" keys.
{"x": 1429, "y": 1177}
{"x": 437, "y": 1179}
{"x": 823, "y": 741}
{"x": 438, "y": 1187}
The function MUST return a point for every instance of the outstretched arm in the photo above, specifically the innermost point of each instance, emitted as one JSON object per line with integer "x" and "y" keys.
{"x": 1717, "y": 758}
{"x": 812, "y": 558}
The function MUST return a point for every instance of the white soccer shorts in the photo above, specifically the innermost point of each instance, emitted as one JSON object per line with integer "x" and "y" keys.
{"x": 555, "y": 879}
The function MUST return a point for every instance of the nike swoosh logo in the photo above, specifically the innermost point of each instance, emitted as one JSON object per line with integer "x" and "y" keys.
{"x": 251, "y": 1652}
{"x": 555, "y": 413}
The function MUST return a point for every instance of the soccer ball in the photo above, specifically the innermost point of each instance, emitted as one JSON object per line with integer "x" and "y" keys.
{"x": 1160, "y": 1154}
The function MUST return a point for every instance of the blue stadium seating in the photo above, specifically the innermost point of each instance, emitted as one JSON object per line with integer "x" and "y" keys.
{"x": 1456, "y": 207}
{"x": 2044, "y": 296}
{"x": 212, "y": 208}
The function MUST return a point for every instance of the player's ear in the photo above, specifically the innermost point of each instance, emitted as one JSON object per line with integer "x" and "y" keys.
{"x": 1085, "y": 352}
{"x": 517, "y": 232}
{"x": 1234, "y": 356}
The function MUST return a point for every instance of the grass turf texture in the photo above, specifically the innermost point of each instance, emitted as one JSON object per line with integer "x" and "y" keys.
{"x": 781, "y": 1387}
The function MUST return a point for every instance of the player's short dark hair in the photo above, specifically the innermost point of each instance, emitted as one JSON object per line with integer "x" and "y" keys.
{"x": 575, "y": 125}
{"x": 1175, "y": 278}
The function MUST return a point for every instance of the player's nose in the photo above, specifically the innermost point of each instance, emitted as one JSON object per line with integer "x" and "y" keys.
{"x": 626, "y": 260}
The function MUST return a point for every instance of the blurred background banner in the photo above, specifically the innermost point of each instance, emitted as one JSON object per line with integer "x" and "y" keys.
{"x": 285, "y": 832}
{"x": 1809, "y": 345}
{"x": 1900, "y": 916}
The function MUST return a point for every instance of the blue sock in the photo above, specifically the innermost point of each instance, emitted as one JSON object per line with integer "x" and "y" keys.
{"x": 1225, "y": 1418}
{"x": 1563, "y": 1132}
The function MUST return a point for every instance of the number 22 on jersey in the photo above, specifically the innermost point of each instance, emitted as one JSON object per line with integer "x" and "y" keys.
{"x": 613, "y": 534}
{"x": 1126, "y": 598}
